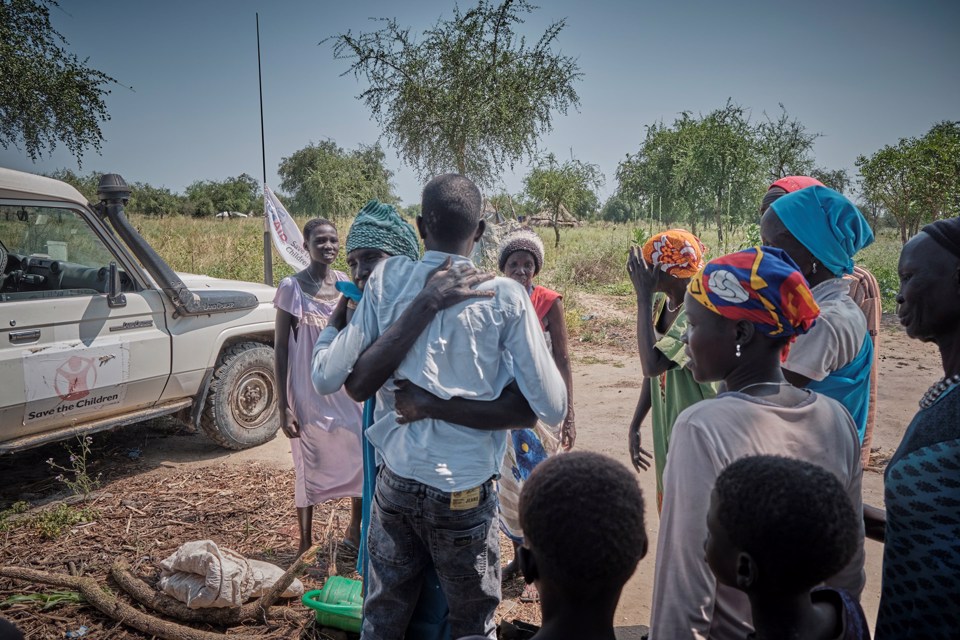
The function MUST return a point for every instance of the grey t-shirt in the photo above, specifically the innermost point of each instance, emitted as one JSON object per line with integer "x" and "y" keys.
{"x": 687, "y": 600}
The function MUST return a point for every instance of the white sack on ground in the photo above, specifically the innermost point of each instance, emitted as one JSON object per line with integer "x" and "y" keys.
{"x": 201, "y": 574}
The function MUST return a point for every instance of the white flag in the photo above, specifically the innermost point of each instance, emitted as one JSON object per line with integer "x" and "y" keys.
{"x": 286, "y": 235}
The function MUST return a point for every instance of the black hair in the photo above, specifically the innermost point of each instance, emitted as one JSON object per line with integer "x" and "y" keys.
{"x": 313, "y": 224}
{"x": 451, "y": 207}
{"x": 9, "y": 631}
{"x": 582, "y": 517}
{"x": 793, "y": 518}
{"x": 772, "y": 195}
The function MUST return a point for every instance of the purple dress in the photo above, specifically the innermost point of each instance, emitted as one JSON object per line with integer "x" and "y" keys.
{"x": 327, "y": 455}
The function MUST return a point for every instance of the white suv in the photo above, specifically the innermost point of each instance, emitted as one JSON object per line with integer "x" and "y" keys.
{"x": 96, "y": 331}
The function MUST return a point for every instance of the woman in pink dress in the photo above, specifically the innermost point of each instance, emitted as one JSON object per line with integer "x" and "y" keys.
{"x": 324, "y": 431}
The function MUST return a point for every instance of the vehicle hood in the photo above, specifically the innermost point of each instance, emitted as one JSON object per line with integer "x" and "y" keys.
{"x": 196, "y": 282}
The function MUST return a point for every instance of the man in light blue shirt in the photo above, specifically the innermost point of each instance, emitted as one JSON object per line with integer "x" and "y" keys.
{"x": 434, "y": 497}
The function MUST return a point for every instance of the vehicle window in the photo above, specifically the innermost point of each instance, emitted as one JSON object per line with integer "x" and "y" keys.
{"x": 50, "y": 252}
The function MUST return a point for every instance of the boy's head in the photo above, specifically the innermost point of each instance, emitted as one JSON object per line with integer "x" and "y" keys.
{"x": 778, "y": 525}
{"x": 582, "y": 520}
{"x": 451, "y": 211}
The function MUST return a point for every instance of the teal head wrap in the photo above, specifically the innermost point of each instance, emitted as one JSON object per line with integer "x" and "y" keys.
{"x": 379, "y": 226}
{"x": 827, "y": 224}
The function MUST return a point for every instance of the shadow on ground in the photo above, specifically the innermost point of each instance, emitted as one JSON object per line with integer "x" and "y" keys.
{"x": 124, "y": 452}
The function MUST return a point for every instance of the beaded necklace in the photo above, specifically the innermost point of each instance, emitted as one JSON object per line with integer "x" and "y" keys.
{"x": 938, "y": 389}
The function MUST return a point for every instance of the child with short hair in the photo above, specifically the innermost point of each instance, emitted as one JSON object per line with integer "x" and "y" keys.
{"x": 777, "y": 528}
{"x": 582, "y": 518}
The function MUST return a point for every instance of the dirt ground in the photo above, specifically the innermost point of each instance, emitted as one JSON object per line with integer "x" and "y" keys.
{"x": 162, "y": 486}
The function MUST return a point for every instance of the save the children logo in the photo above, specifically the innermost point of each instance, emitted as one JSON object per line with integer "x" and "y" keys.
{"x": 74, "y": 378}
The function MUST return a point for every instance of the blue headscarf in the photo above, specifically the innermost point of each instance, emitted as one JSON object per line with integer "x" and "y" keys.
{"x": 827, "y": 224}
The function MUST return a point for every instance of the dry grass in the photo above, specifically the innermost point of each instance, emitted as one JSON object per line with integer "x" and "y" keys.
{"x": 142, "y": 515}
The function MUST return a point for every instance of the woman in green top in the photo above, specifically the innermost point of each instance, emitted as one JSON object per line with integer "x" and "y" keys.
{"x": 660, "y": 272}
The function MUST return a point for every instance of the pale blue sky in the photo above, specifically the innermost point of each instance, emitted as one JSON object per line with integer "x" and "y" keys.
{"x": 863, "y": 73}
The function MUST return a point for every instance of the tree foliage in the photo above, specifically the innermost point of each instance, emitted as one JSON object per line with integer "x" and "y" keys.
{"x": 47, "y": 95}
{"x": 209, "y": 197}
{"x": 326, "y": 180}
{"x": 572, "y": 184}
{"x": 836, "y": 179}
{"x": 708, "y": 166}
{"x": 917, "y": 180}
{"x": 786, "y": 145}
{"x": 471, "y": 95}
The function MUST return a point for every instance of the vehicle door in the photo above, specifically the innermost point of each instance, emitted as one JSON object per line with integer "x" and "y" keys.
{"x": 67, "y": 356}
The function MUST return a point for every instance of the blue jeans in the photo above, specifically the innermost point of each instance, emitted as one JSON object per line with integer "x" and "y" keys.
{"x": 412, "y": 524}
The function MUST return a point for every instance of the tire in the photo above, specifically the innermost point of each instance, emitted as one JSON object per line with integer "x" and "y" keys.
{"x": 241, "y": 409}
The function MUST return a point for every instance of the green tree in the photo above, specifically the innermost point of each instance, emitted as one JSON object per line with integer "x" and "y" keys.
{"x": 619, "y": 209}
{"x": 723, "y": 160}
{"x": 917, "y": 180}
{"x": 208, "y": 197}
{"x": 650, "y": 177}
{"x": 326, "y": 180}
{"x": 705, "y": 166}
{"x": 887, "y": 180}
{"x": 47, "y": 95}
{"x": 85, "y": 184}
{"x": 836, "y": 179}
{"x": 470, "y": 95}
{"x": 505, "y": 204}
{"x": 786, "y": 146}
{"x": 938, "y": 170}
{"x": 155, "y": 201}
{"x": 552, "y": 185}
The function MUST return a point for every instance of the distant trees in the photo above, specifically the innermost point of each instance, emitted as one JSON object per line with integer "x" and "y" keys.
{"x": 711, "y": 167}
{"x": 326, "y": 180}
{"x": 917, "y": 180}
{"x": 572, "y": 184}
{"x": 209, "y": 197}
{"x": 47, "y": 95}
{"x": 716, "y": 167}
{"x": 469, "y": 95}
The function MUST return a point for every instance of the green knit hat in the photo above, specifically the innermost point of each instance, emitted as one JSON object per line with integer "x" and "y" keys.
{"x": 379, "y": 226}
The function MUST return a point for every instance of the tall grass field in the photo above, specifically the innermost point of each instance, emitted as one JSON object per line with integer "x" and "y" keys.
{"x": 591, "y": 259}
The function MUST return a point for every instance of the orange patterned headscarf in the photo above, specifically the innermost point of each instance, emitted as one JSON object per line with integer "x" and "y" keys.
{"x": 677, "y": 252}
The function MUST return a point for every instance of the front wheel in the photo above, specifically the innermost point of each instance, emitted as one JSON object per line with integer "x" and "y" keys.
{"x": 241, "y": 409}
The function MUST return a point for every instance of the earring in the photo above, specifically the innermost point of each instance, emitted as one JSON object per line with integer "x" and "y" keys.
{"x": 738, "y": 350}
{"x": 814, "y": 268}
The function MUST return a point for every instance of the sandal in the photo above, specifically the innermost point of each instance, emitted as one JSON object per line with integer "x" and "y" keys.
{"x": 530, "y": 594}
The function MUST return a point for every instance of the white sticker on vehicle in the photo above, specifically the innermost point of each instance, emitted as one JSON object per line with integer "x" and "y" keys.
{"x": 69, "y": 380}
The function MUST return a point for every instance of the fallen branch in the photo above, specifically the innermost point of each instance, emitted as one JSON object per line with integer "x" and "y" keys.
{"x": 108, "y": 604}
{"x": 261, "y": 606}
{"x": 223, "y": 616}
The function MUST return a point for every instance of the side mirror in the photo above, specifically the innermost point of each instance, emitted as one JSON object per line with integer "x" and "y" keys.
{"x": 115, "y": 297}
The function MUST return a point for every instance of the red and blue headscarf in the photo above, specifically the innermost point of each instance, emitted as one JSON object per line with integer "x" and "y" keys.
{"x": 762, "y": 285}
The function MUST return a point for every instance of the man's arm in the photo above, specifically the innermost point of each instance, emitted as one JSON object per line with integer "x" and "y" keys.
{"x": 446, "y": 286}
{"x": 510, "y": 411}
